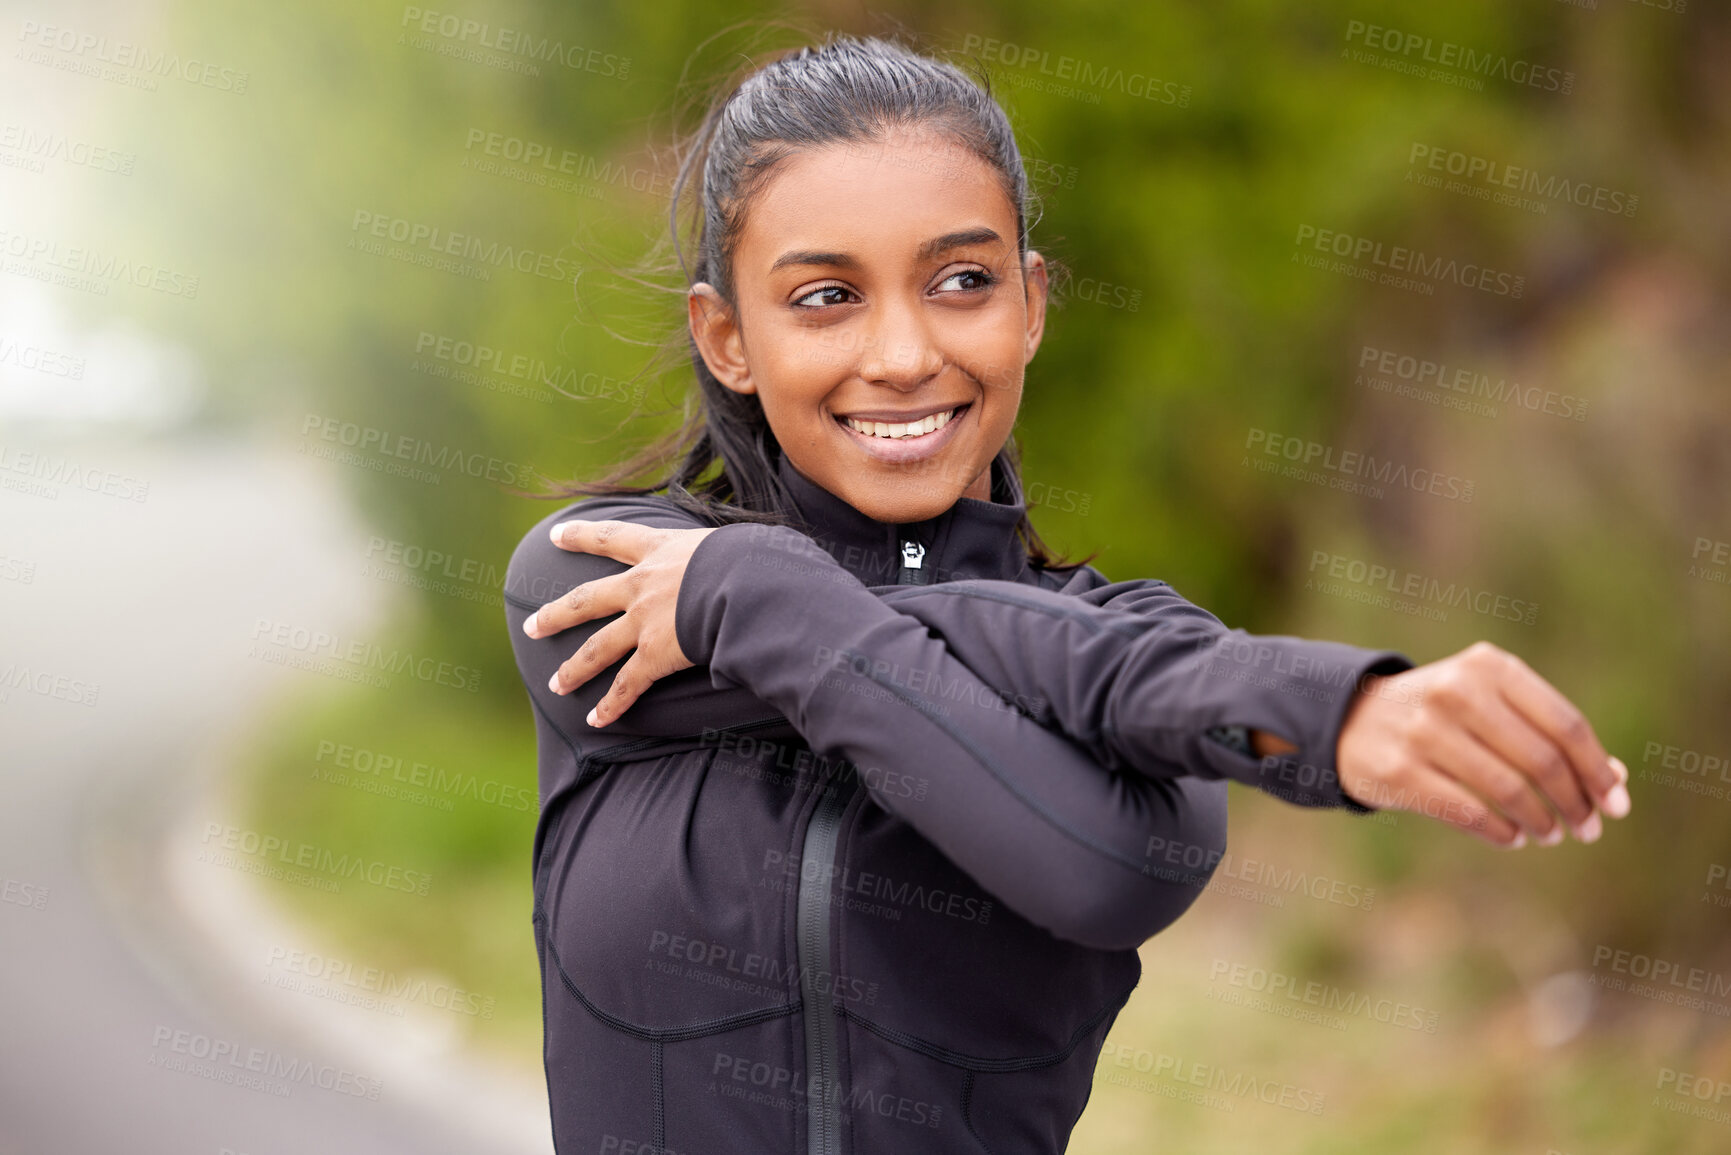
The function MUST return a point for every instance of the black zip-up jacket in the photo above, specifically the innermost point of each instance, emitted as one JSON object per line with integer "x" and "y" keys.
{"x": 870, "y": 877}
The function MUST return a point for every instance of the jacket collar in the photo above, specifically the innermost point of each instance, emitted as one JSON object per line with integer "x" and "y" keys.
{"x": 971, "y": 539}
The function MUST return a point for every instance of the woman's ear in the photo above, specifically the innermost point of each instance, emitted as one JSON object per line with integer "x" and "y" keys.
{"x": 1034, "y": 291}
{"x": 715, "y": 328}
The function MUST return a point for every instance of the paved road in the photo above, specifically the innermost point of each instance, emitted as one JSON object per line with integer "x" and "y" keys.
{"x": 120, "y": 1008}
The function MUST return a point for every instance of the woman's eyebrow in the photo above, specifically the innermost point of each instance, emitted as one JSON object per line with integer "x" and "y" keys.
{"x": 980, "y": 235}
{"x": 814, "y": 257}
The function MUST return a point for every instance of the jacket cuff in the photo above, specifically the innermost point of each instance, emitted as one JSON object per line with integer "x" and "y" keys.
{"x": 1295, "y": 688}
{"x": 1311, "y": 776}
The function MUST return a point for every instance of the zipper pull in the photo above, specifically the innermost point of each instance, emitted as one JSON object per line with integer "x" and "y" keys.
{"x": 913, "y": 555}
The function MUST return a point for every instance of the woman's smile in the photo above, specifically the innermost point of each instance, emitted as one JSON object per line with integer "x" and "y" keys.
{"x": 911, "y": 438}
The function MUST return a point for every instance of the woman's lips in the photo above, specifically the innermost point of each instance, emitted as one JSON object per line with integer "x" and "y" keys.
{"x": 901, "y": 450}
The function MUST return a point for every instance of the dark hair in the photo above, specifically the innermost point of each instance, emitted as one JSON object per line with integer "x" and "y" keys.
{"x": 844, "y": 90}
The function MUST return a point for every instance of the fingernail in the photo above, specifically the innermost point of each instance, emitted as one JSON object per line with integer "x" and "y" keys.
{"x": 590, "y": 718}
{"x": 553, "y": 682}
{"x": 1556, "y": 835}
{"x": 1617, "y": 801}
{"x": 1622, "y": 770}
{"x": 557, "y": 533}
{"x": 529, "y": 623}
{"x": 1520, "y": 841}
{"x": 1590, "y": 830}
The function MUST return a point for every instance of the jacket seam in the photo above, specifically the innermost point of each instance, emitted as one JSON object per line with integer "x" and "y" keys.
{"x": 968, "y": 1112}
{"x": 666, "y": 1034}
{"x": 980, "y": 1064}
{"x": 997, "y": 772}
{"x": 1130, "y": 627}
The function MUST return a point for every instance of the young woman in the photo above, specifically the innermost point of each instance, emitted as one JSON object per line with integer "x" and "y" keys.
{"x": 855, "y": 803}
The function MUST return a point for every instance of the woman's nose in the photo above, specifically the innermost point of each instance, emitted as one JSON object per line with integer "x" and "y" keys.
{"x": 899, "y": 351}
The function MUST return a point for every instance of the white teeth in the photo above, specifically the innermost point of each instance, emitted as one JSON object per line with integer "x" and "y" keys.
{"x": 909, "y": 429}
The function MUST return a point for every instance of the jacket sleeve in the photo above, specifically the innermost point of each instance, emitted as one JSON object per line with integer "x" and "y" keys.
{"x": 776, "y": 626}
{"x": 1035, "y": 819}
{"x": 1148, "y": 681}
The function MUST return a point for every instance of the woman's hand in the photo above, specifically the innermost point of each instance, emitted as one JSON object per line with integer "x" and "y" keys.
{"x": 646, "y": 595}
{"x": 1480, "y": 741}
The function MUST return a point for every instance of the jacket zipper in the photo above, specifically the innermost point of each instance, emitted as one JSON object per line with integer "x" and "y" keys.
{"x": 913, "y": 559}
{"x": 817, "y": 964}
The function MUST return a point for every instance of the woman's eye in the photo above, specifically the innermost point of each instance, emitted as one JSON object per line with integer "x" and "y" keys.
{"x": 830, "y": 294}
{"x": 977, "y": 278}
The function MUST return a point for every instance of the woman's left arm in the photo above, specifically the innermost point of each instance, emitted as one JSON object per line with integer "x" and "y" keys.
{"x": 1477, "y": 739}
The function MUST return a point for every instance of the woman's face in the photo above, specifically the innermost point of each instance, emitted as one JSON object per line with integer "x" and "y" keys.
{"x": 879, "y": 282}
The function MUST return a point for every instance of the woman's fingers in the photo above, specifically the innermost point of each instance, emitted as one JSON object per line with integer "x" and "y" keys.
{"x": 1443, "y": 798}
{"x": 1482, "y": 770}
{"x": 1536, "y": 756}
{"x": 604, "y": 647}
{"x": 586, "y": 602}
{"x": 633, "y": 678}
{"x": 624, "y": 541}
{"x": 1568, "y": 728}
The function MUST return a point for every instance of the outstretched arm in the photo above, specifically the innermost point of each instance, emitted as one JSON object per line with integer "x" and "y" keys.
{"x": 1476, "y": 739}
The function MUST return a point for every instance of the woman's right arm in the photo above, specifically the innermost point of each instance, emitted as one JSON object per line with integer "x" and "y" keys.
{"x": 775, "y": 625}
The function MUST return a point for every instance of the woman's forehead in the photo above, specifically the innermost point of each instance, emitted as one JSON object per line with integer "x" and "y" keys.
{"x": 889, "y": 195}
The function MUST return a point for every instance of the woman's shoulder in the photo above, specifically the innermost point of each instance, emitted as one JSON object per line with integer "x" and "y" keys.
{"x": 540, "y": 571}
{"x": 1071, "y": 580}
